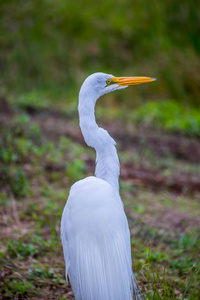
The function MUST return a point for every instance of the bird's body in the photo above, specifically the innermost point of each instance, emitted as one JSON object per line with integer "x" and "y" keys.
{"x": 94, "y": 228}
{"x": 99, "y": 243}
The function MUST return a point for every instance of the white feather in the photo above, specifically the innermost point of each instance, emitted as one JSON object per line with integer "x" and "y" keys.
{"x": 94, "y": 228}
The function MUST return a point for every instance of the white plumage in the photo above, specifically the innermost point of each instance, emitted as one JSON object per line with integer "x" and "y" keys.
{"x": 94, "y": 229}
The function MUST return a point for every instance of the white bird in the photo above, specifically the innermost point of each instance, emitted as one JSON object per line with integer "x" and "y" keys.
{"x": 94, "y": 229}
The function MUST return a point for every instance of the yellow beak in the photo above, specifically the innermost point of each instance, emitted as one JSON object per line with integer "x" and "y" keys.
{"x": 124, "y": 81}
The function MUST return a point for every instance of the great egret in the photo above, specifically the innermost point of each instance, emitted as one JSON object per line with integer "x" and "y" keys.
{"x": 94, "y": 229}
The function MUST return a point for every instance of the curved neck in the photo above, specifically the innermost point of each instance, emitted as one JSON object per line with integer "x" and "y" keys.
{"x": 107, "y": 162}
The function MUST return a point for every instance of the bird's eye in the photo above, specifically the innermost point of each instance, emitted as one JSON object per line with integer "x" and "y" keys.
{"x": 108, "y": 82}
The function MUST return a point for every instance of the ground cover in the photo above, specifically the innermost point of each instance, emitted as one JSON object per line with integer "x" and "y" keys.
{"x": 42, "y": 153}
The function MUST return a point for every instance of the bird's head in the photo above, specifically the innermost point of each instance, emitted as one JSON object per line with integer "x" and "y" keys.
{"x": 99, "y": 84}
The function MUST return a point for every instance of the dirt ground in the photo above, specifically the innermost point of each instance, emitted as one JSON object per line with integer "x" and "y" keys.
{"x": 160, "y": 187}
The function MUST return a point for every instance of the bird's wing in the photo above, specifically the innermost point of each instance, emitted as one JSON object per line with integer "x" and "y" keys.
{"x": 64, "y": 239}
{"x": 96, "y": 242}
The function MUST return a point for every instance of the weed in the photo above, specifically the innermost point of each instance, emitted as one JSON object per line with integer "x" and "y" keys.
{"x": 75, "y": 169}
{"x": 18, "y": 287}
{"x": 39, "y": 170}
{"x": 16, "y": 248}
{"x": 16, "y": 179}
{"x": 169, "y": 115}
{"x": 188, "y": 242}
{"x": 36, "y": 271}
{"x": 31, "y": 101}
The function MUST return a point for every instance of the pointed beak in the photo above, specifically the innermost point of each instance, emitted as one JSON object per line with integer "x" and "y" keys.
{"x": 125, "y": 81}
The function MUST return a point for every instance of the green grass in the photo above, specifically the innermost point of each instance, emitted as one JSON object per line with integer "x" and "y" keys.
{"x": 22, "y": 250}
{"x": 53, "y": 47}
{"x": 19, "y": 288}
{"x": 169, "y": 115}
{"x": 38, "y": 168}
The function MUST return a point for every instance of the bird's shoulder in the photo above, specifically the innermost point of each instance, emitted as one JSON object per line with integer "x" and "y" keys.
{"x": 90, "y": 183}
{"x": 93, "y": 191}
{"x": 93, "y": 202}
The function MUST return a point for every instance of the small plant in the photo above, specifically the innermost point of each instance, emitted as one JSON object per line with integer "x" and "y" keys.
{"x": 19, "y": 183}
{"x": 188, "y": 241}
{"x": 18, "y": 287}
{"x": 16, "y": 180}
{"x": 75, "y": 169}
{"x": 42, "y": 273}
{"x": 169, "y": 115}
{"x": 18, "y": 249}
{"x": 32, "y": 101}
{"x": 159, "y": 287}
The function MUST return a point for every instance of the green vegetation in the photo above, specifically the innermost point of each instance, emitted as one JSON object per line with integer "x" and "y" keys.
{"x": 53, "y": 46}
{"x": 47, "y": 50}
{"x": 39, "y": 164}
{"x": 19, "y": 288}
{"x": 16, "y": 248}
{"x": 169, "y": 115}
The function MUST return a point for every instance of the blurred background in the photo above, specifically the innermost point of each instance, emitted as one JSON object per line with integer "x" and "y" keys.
{"x": 47, "y": 49}
{"x": 53, "y": 46}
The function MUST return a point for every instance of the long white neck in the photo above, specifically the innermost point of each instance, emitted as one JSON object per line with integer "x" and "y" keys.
{"x": 107, "y": 162}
